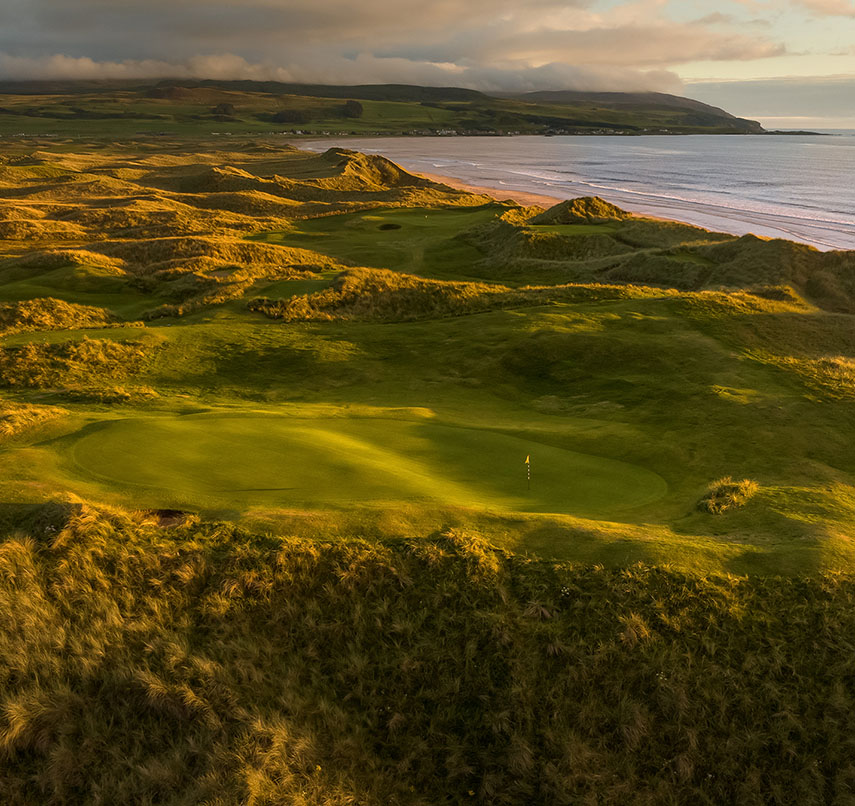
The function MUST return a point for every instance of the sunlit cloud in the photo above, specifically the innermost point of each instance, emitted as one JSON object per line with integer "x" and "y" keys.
{"x": 485, "y": 44}
{"x": 838, "y": 8}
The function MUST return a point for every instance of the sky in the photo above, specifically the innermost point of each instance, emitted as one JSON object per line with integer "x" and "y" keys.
{"x": 787, "y": 63}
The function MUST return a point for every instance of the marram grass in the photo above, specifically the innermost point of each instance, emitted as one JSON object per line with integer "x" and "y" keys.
{"x": 204, "y": 664}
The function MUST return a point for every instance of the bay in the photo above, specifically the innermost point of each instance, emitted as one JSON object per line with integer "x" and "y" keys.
{"x": 799, "y": 187}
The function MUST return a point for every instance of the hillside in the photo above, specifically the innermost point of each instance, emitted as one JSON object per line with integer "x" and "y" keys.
{"x": 644, "y": 103}
{"x": 185, "y": 107}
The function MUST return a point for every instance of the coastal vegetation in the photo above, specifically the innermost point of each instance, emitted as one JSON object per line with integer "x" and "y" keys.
{"x": 198, "y": 663}
{"x": 388, "y": 351}
{"x": 267, "y": 530}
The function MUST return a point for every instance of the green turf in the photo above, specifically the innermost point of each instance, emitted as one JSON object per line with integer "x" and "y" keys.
{"x": 363, "y": 601}
{"x": 423, "y": 241}
{"x": 241, "y": 458}
{"x": 81, "y": 284}
{"x": 282, "y": 289}
{"x": 575, "y": 229}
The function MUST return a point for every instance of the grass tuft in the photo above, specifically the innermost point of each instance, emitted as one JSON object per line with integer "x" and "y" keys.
{"x": 727, "y": 494}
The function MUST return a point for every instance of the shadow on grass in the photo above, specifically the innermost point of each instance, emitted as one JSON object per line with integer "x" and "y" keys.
{"x": 802, "y": 560}
{"x": 554, "y": 541}
{"x": 36, "y": 519}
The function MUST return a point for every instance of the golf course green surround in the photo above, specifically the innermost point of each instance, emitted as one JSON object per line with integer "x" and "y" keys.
{"x": 324, "y": 344}
{"x": 242, "y": 458}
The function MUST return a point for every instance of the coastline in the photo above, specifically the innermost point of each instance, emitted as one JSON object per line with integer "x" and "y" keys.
{"x": 521, "y": 197}
{"x": 736, "y": 223}
{"x": 738, "y": 191}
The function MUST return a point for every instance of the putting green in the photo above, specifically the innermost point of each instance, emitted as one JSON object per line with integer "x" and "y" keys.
{"x": 250, "y": 459}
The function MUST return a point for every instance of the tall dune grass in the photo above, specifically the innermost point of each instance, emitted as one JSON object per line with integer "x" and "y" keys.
{"x": 203, "y": 664}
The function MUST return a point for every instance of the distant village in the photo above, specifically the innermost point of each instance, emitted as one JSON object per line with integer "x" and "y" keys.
{"x": 473, "y": 132}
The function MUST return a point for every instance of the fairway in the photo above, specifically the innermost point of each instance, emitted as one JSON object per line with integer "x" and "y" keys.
{"x": 414, "y": 240}
{"x": 279, "y": 461}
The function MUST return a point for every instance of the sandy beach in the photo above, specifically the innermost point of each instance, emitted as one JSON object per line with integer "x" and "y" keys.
{"x": 500, "y": 194}
{"x": 518, "y": 196}
{"x": 797, "y": 188}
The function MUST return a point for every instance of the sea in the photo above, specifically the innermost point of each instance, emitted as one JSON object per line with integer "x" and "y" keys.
{"x": 795, "y": 186}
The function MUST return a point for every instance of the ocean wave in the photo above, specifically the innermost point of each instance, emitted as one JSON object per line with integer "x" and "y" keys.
{"x": 734, "y": 184}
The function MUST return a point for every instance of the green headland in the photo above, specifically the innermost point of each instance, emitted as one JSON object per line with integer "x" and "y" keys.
{"x": 174, "y": 107}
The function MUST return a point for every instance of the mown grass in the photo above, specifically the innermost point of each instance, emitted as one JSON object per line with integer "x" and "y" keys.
{"x": 217, "y": 460}
{"x": 422, "y": 242}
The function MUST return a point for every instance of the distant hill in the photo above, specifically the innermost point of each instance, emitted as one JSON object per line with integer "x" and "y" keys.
{"x": 639, "y": 101}
{"x": 182, "y": 106}
{"x": 369, "y": 92}
{"x": 363, "y": 92}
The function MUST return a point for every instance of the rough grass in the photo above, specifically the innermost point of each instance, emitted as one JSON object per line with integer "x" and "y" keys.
{"x": 17, "y": 418}
{"x": 387, "y": 296}
{"x": 50, "y": 314}
{"x": 58, "y": 258}
{"x": 177, "y": 226}
{"x": 363, "y": 644}
{"x": 726, "y": 494}
{"x": 684, "y": 352}
{"x": 584, "y": 210}
{"x": 87, "y": 362}
{"x": 160, "y": 253}
{"x": 204, "y": 664}
{"x": 830, "y": 377}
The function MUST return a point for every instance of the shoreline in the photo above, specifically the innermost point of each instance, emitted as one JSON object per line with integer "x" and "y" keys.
{"x": 524, "y": 198}
{"x": 521, "y": 197}
{"x": 733, "y": 223}
{"x": 504, "y": 171}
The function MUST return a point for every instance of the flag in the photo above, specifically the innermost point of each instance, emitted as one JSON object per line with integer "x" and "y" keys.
{"x": 528, "y": 459}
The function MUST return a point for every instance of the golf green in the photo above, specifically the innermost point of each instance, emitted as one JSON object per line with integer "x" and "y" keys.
{"x": 249, "y": 459}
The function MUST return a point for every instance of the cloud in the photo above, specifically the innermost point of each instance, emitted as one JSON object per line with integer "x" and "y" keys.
{"x": 832, "y": 8}
{"x": 364, "y": 68}
{"x": 67, "y": 67}
{"x": 642, "y": 45}
{"x": 486, "y": 44}
{"x": 823, "y": 101}
{"x": 716, "y": 18}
